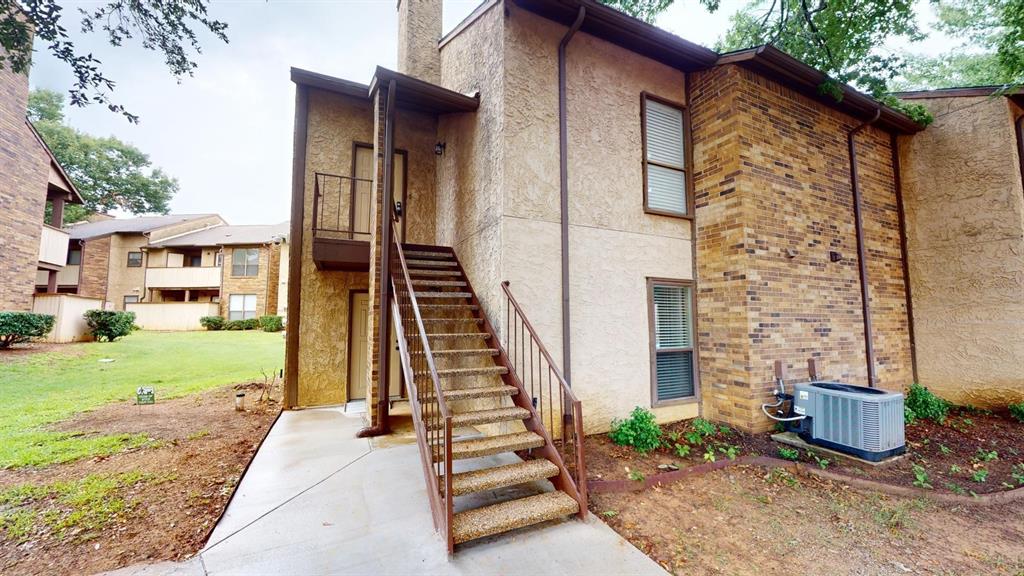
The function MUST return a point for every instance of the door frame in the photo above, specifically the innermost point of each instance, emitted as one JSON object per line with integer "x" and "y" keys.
{"x": 351, "y": 323}
{"x": 356, "y": 145}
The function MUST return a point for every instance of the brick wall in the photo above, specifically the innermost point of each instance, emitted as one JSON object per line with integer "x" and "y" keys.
{"x": 273, "y": 274}
{"x": 773, "y": 199}
{"x": 24, "y": 170}
{"x": 95, "y": 268}
{"x": 249, "y": 284}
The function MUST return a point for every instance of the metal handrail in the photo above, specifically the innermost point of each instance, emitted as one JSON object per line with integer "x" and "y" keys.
{"x": 431, "y": 436}
{"x": 526, "y": 372}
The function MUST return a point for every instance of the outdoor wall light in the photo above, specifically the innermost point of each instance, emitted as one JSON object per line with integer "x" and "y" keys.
{"x": 835, "y": 256}
{"x": 439, "y": 148}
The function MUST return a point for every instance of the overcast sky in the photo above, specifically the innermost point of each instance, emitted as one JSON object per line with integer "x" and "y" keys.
{"x": 226, "y": 133}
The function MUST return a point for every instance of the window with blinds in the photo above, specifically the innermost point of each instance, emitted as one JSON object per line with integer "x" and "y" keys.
{"x": 664, "y": 158}
{"x": 672, "y": 315}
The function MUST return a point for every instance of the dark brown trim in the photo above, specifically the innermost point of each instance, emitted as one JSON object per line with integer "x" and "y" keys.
{"x": 955, "y": 92}
{"x": 563, "y": 188}
{"x": 387, "y": 206}
{"x": 1020, "y": 146}
{"x": 862, "y": 262}
{"x": 687, "y": 158}
{"x": 630, "y": 33}
{"x": 901, "y": 214}
{"x": 128, "y": 259}
{"x": 295, "y": 246}
{"x": 329, "y": 83}
{"x": 776, "y": 65}
{"x": 692, "y": 186}
{"x": 653, "y": 346}
{"x": 416, "y": 94}
{"x": 348, "y": 364}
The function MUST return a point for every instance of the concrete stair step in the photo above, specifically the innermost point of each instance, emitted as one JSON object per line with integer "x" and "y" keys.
{"x": 424, "y": 294}
{"x": 455, "y": 335}
{"x": 435, "y": 273}
{"x": 455, "y": 395}
{"x": 456, "y": 352}
{"x": 444, "y": 320}
{"x": 491, "y": 445}
{"x": 490, "y": 416}
{"x": 502, "y": 476}
{"x": 448, "y": 307}
{"x": 462, "y": 372}
{"x": 510, "y": 515}
{"x": 418, "y": 263}
{"x": 457, "y": 283}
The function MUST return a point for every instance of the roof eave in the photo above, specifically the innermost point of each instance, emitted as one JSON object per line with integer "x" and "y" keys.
{"x": 330, "y": 83}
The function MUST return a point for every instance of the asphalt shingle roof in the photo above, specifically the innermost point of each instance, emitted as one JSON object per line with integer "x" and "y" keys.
{"x": 137, "y": 225}
{"x": 228, "y": 235}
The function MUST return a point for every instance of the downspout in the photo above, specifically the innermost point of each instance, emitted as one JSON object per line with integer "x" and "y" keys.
{"x": 384, "y": 289}
{"x": 865, "y": 292}
{"x": 563, "y": 174}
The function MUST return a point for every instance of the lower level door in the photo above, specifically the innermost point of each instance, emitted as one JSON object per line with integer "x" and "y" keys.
{"x": 357, "y": 384}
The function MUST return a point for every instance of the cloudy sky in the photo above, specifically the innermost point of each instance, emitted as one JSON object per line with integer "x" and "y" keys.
{"x": 226, "y": 132}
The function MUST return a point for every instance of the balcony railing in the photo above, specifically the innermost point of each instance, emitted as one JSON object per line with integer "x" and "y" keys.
{"x": 66, "y": 276}
{"x": 53, "y": 246}
{"x": 185, "y": 277}
{"x": 341, "y": 207}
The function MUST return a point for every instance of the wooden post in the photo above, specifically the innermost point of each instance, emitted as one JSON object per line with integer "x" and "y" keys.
{"x": 814, "y": 369}
{"x": 780, "y": 370}
{"x": 51, "y": 282}
{"x": 57, "y": 214}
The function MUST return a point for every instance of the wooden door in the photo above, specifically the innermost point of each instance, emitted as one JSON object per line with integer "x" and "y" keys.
{"x": 357, "y": 347}
{"x": 362, "y": 189}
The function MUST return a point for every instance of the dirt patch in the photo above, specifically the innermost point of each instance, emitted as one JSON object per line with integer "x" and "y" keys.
{"x": 178, "y": 486}
{"x": 749, "y": 520}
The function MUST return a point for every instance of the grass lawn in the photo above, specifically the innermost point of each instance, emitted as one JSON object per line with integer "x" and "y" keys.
{"x": 44, "y": 388}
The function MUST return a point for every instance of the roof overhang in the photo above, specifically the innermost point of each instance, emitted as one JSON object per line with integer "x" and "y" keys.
{"x": 330, "y": 83}
{"x": 965, "y": 92}
{"x": 58, "y": 182}
{"x": 415, "y": 94}
{"x": 623, "y": 30}
{"x": 776, "y": 64}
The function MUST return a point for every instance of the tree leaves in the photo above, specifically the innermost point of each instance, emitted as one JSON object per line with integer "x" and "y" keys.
{"x": 110, "y": 174}
{"x": 164, "y": 26}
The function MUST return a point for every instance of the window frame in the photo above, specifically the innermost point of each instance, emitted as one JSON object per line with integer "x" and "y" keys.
{"x": 687, "y": 156}
{"x": 245, "y": 265}
{"x": 125, "y": 302}
{"x": 128, "y": 262}
{"x": 653, "y": 342}
{"x": 78, "y": 251}
{"x": 255, "y": 306}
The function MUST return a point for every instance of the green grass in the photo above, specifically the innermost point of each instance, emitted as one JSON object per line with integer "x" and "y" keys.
{"x": 46, "y": 388}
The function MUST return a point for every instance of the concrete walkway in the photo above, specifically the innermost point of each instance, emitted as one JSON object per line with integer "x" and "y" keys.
{"x": 317, "y": 500}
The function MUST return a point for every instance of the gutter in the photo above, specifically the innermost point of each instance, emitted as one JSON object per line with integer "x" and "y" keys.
{"x": 563, "y": 173}
{"x": 865, "y": 291}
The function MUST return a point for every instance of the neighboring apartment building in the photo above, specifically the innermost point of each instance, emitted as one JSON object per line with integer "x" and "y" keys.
{"x": 237, "y": 266}
{"x": 555, "y": 193}
{"x": 31, "y": 181}
{"x": 107, "y": 256}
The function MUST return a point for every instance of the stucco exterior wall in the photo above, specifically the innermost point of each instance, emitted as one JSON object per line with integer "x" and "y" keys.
{"x": 121, "y": 280}
{"x": 260, "y": 285}
{"x": 334, "y": 122}
{"x": 614, "y": 246}
{"x": 773, "y": 199}
{"x": 965, "y": 239}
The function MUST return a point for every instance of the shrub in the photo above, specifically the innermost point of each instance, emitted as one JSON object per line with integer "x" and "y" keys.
{"x": 925, "y": 405}
{"x": 271, "y": 323}
{"x": 1017, "y": 411}
{"x": 250, "y": 324}
{"x": 639, "y": 431}
{"x": 109, "y": 325}
{"x": 212, "y": 322}
{"x": 18, "y": 327}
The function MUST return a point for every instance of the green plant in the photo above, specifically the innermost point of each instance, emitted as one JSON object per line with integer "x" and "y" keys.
{"x": 823, "y": 463}
{"x": 925, "y": 405}
{"x": 703, "y": 427}
{"x": 640, "y": 431}
{"x": 212, "y": 322}
{"x": 920, "y": 476}
{"x": 730, "y": 451}
{"x": 986, "y": 455}
{"x": 248, "y": 324}
{"x": 956, "y": 488}
{"x": 634, "y": 475}
{"x": 980, "y": 475}
{"x": 609, "y": 513}
{"x": 109, "y": 325}
{"x": 789, "y": 453}
{"x": 1017, "y": 411}
{"x": 693, "y": 437}
{"x": 1018, "y": 473}
{"x": 271, "y": 323}
{"x": 909, "y": 417}
{"x": 19, "y": 327}
{"x": 709, "y": 454}
{"x": 955, "y": 469}
{"x": 945, "y": 449}
{"x": 682, "y": 450}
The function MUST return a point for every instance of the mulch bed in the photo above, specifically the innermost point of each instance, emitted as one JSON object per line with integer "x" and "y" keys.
{"x": 955, "y": 456}
{"x": 202, "y": 447}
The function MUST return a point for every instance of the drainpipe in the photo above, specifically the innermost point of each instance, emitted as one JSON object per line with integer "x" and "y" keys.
{"x": 563, "y": 173}
{"x": 865, "y": 292}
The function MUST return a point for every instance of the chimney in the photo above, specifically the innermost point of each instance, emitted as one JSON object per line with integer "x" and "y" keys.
{"x": 419, "y": 29}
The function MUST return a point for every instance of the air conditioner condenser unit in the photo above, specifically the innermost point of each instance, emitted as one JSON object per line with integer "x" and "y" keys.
{"x": 856, "y": 420}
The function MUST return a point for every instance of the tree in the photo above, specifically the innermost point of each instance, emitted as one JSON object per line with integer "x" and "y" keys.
{"x": 951, "y": 70}
{"x": 110, "y": 174}
{"x": 164, "y": 26}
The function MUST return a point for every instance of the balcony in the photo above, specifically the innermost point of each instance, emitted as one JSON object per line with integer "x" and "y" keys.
{"x": 66, "y": 276}
{"x": 341, "y": 222}
{"x": 53, "y": 247}
{"x": 184, "y": 277}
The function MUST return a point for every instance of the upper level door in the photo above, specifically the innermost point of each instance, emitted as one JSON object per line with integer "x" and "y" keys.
{"x": 362, "y": 189}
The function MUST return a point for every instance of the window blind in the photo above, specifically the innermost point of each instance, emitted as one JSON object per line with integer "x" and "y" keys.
{"x": 666, "y": 158}
{"x": 673, "y": 340}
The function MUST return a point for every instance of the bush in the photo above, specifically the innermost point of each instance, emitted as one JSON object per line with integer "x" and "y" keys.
{"x": 109, "y": 325}
{"x": 212, "y": 322}
{"x": 271, "y": 323}
{"x": 250, "y": 324}
{"x": 639, "y": 431}
{"x": 922, "y": 404}
{"x": 1017, "y": 411}
{"x": 18, "y": 327}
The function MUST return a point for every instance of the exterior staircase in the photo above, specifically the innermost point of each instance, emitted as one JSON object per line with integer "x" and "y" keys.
{"x": 460, "y": 376}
